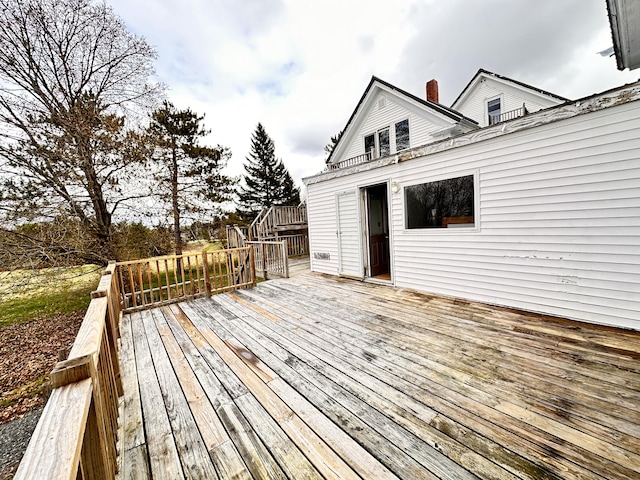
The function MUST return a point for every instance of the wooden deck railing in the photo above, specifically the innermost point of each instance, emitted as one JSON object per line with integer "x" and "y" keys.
{"x": 277, "y": 218}
{"x": 153, "y": 282}
{"x": 296, "y": 244}
{"x": 236, "y": 236}
{"x": 271, "y": 258}
{"x": 76, "y": 434}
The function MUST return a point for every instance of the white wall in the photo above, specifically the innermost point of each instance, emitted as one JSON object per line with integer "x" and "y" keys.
{"x": 558, "y": 223}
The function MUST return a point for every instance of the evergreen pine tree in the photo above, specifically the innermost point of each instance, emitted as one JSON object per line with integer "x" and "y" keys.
{"x": 267, "y": 182}
{"x": 189, "y": 176}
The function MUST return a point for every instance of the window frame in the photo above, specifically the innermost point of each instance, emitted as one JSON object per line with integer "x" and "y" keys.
{"x": 442, "y": 230}
{"x": 375, "y": 144}
{"x": 395, "y": 133}
{"x": 500, "y": 98}
{"x": 378, "y": 132}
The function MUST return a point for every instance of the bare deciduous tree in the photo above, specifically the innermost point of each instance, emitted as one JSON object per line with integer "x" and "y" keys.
{"x": 70, "y": 76}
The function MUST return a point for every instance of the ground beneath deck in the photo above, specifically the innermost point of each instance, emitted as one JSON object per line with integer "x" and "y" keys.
{"x": 321, "y": 377}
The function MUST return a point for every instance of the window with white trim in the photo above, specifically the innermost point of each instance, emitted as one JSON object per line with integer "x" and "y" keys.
{"x": 402, "y": 135}
{"x": 494, "y": 109}
{"x": 383, "y": 142}
{"x": 445, "y": 203}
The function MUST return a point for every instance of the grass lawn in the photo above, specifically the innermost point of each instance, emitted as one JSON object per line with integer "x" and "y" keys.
{"x": 26, "y": 296}
{"x": 40, "y": 313}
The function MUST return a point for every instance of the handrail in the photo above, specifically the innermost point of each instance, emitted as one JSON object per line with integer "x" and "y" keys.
{"x": 152, "y": 282}
{"x": 236, "y": 238}
{"x": 76, "y": 434}
{"x": 279, "y": 217}
{"x": 253, "y": 228}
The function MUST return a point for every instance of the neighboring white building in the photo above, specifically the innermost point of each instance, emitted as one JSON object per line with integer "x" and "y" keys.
{"x": 540, "y": 213}
{"x": 491, "y": 98}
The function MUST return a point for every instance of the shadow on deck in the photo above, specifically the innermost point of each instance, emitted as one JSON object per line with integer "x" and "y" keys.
{"x": 320, "y": 377}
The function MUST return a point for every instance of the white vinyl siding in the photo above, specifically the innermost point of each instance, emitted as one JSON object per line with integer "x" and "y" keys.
{"x": 558, "y": 218}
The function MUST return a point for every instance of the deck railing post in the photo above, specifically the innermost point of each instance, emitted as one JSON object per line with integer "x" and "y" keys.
{"x": 285, "y": 258}
{"x": 205, "y": 270}
{"x": 264, "y": 260}
{"x": 252, "y": 262}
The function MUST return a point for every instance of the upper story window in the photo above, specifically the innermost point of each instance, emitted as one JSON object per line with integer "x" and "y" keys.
{"x": 494, "y": 109}
{"x": 383, "y": 142}
{"x": 402, "y": 135}
{"x": 370, "y": 145}
{"x": 445, "y": 203}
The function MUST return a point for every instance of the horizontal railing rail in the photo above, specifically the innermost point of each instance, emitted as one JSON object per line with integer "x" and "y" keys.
{"x": 76, "y": 435}
{"x": 271, "y": 258}
{"x": 153, "y": 282}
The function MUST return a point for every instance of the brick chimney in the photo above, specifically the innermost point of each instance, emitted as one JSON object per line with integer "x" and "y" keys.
{"x": 432, "y": 91}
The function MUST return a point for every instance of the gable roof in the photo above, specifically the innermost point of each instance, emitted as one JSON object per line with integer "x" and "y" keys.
{"x": 436, "y": 107}
{"x": 482, "y": 72}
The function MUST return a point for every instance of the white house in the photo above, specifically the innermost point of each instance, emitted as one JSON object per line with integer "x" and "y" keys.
{"x": 540, "y": 212}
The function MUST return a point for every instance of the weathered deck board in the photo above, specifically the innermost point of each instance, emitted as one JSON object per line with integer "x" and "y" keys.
{"x": 320, "y": 377}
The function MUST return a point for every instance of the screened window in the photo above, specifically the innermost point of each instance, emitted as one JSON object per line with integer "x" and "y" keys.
{"x": 383, "y": 142}
{"x": 493, "y": 108}
{"x": 441, "y": 204}
{"x": 402, "y": 135}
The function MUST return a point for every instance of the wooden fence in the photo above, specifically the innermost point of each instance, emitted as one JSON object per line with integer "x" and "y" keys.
{"x": 153, "y": 282}
{"x": 271, "y": 258}
{"x": 76, "y": 434}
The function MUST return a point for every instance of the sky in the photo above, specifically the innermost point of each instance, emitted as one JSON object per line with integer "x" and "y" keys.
{"x": 299, "y": 67}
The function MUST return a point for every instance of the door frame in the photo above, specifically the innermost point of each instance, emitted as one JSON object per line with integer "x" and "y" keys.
{"x": 364, "y": 229}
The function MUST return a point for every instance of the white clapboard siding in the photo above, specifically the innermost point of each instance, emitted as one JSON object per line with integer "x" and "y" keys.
{"x": 557, "y": 229}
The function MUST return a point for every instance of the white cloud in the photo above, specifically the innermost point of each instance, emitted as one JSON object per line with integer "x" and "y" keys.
{"x": 299, "y": 67}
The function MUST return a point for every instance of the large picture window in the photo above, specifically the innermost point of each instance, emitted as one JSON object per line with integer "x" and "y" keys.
{"x": 441, "y": 204}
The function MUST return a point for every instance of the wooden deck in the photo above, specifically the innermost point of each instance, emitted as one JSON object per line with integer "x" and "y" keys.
{"x": 321, "y": 377}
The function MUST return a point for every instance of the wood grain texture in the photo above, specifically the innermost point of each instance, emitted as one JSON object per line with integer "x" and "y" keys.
{"x": 321, "y": 376}
{"x": 54, "y": 450}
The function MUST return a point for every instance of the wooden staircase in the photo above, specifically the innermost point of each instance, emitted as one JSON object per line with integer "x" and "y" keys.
{"x": 278, "y": 221}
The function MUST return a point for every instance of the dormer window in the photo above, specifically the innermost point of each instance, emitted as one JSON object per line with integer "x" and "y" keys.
{"x": 494, "y": 109}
